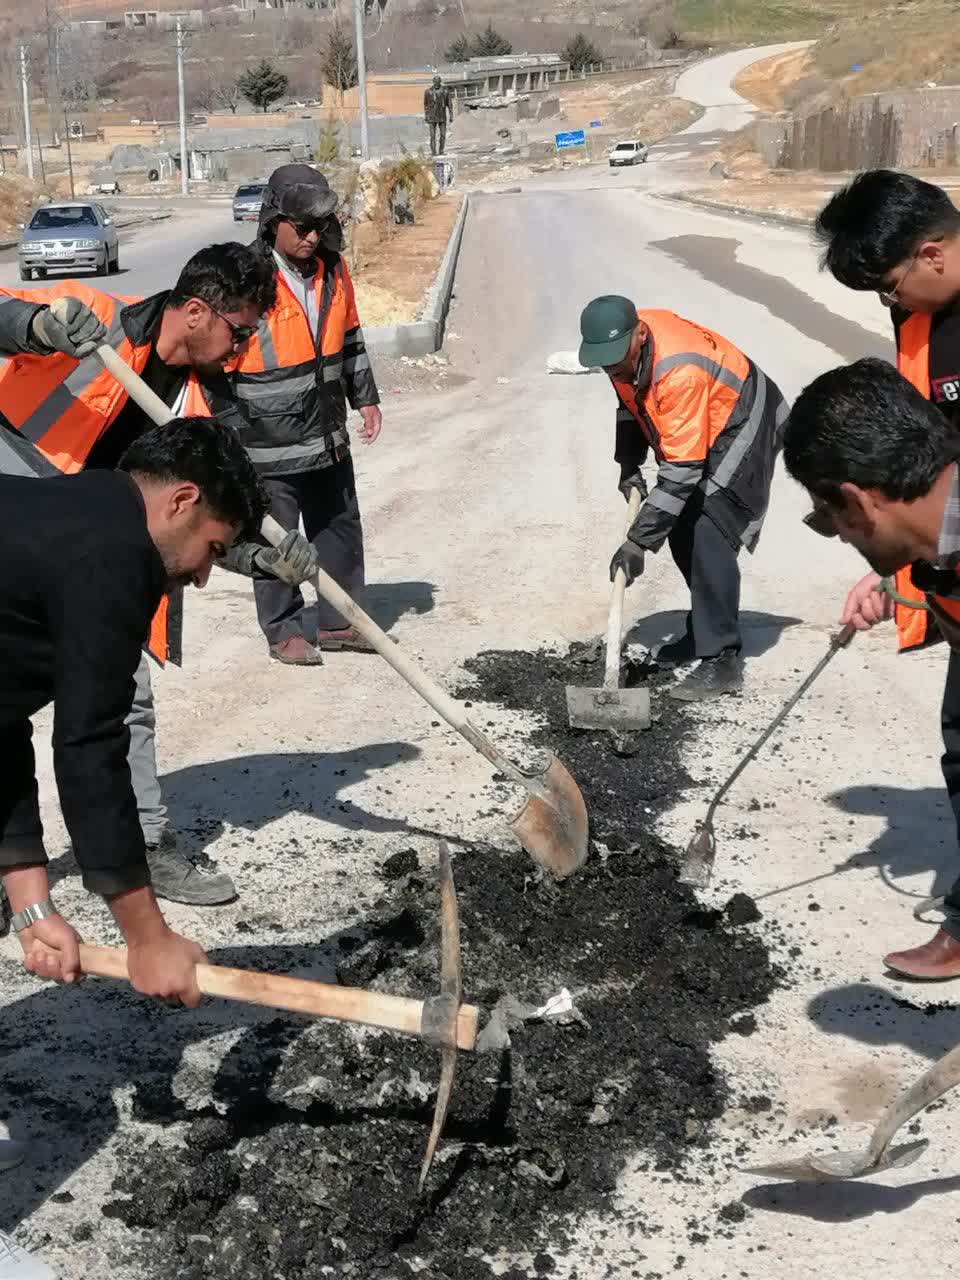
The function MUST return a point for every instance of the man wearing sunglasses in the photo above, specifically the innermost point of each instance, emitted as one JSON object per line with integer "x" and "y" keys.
{"x": 71, "y": 415}
{"x": 292, "y": 383}
{"x": 898, "y": 236}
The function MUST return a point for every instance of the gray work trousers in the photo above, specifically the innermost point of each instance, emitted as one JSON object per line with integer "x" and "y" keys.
{"x": 709, "y": 566}
{"x": 326, "y": 500}
{"x": 142, "y": 756}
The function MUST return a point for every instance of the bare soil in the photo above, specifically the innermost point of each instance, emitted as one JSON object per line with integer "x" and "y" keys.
{"x": 394, "y": 274}
{"x": 768, "y": 82}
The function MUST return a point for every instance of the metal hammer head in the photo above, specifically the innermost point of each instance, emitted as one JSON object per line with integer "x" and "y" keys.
{"x": 442, "y": 1016}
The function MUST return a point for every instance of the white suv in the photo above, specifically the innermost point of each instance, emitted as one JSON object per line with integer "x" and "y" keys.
{"x": 632, "y": 152}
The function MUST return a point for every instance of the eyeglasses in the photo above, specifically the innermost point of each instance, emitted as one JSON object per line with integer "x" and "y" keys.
{"x": 303, "y": 229}
{"x": 240, "y": 333}
{"x": 891, "y": 297}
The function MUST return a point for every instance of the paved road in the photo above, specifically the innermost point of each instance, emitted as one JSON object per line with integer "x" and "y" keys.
{"x": 491, "y": 513}
{"x": 151, "y": 255}
{"x": 710, "y": 85}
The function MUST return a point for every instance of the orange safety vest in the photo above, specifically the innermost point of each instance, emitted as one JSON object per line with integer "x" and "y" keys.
{"x": 63, "y": 406}
{"x": 708, "y": 376}
{"x": 913, "y": 362}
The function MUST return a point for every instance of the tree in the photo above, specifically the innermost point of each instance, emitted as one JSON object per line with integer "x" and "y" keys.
{"x": 459, "y": 51}
{"x": 215, "y": 88}
{"x": 581, "y": 53}
{"x": 328, "y": 148}
{"x": 490, "y": 44}
{"x": 263, "y": 84}
{"x": 338, "y": 60}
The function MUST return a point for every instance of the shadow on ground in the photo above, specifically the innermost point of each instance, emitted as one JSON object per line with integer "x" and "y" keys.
{"x": 387, "y": 603}
{"x": 920, "y": 834}
{"x": 844, "y": 1201}
{"x": 871, "y": 1015}
{"x": 761, "y": 631}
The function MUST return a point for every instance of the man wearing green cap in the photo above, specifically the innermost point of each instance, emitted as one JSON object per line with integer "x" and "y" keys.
{"x": 715, "y": 424}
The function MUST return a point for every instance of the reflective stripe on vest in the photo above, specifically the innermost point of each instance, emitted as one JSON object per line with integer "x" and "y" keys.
{"x": 913, "y": 362}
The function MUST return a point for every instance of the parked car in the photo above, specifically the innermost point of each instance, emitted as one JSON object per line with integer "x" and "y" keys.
{"x": 61, "y": 237}
{"x": 247, "y": 201}
{"x": 632, "y": 152}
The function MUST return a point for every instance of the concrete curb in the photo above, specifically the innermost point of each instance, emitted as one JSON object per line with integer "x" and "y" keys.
{"x": 121, "y": 226}
{"x": 748, "y": 215}
{"x": 420, "y": 337}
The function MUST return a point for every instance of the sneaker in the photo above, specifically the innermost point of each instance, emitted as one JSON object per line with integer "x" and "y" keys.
{"x": 11, "y": 1153}
{"x": 710, "y": 679}
{"x": 17, "y": 1264}
{"x": 676, "y": 652}
{"x": 296, "y": 652}
{"x": 177, "y": 879}
{"x": 344, "y": 638}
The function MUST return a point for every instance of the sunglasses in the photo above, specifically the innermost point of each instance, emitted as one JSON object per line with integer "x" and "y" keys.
{"x": 303, "y": 229}
{"x": 240, "y": 333}
{"x": 820, "y": 520}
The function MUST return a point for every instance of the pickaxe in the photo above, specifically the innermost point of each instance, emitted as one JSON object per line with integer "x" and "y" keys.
{"x": 441, "y": 1020}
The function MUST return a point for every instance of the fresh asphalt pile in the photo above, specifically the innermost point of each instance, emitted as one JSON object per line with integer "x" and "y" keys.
{"x": 306, "y": 1161}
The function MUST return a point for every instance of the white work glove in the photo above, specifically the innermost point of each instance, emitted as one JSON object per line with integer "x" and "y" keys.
{"x": 292, "y": 562}
{"x": 68, "y": 325}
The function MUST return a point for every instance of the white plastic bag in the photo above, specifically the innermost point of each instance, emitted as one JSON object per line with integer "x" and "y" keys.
{"x": 566, "y": 362}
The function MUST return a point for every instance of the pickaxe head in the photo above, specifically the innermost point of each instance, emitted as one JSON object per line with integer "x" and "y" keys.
{"x": 446, "y": 1021}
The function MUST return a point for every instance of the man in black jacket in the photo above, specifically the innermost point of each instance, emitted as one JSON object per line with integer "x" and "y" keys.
{"x": 86, "y": 561}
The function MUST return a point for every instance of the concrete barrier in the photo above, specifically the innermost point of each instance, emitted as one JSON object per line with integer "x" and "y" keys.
{"x": 420, "y": 337}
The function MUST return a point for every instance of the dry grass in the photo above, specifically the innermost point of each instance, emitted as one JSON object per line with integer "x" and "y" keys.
{"x": 18, "y": 197}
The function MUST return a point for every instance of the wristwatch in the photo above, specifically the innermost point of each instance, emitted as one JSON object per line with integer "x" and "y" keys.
{"x": 30, "y": 915}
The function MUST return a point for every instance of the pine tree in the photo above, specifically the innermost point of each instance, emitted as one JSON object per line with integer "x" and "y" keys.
{"x": 263, "y": 84}
{"x": 491, "y": 44}
{"x": 581, "y": 53}
{"x": 460, "y": 50}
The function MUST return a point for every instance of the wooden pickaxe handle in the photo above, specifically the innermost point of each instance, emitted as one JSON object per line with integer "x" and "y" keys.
{"x": 300, "y": 995}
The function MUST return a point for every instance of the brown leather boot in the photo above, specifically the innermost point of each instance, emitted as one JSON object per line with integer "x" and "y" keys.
{"x": 937, "y": 959}
{"x": 296, "y": 652}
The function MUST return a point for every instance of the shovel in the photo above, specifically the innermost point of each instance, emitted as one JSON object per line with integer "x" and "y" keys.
{"x": 610, "y": 707}
{"x": 552, "y": 826}
{"x": 839, "y": 1165}
{"x": 697, "y": 866}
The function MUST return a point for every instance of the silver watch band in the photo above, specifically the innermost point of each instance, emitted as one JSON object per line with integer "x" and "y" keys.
{"x": 30, "y": 915}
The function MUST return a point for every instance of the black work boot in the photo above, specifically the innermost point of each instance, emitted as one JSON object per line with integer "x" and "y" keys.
{"x": 177, "y": 879}
{"x": 712, "y": 678}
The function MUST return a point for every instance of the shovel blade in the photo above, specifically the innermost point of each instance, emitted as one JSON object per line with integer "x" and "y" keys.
{"x": 697, "y": 866}
{"x": 616, "y": 709}
{"x": 839, "y": 1166}
{"x": 552, "y": 826}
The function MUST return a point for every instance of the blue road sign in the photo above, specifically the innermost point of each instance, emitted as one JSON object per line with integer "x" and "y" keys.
{"x": 595, "y": 124}
{"x": 576, "y": 138}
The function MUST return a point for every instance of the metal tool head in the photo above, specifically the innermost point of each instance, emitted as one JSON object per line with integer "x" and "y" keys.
{"x": 552, "y": 826}
{"x": 697, "y": 866}
{"x": 441, "y": 1015}
{"x": 617, "y": 709}
{"x": 838, "y": 1166}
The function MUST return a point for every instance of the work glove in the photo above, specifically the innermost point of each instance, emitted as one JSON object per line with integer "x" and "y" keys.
{"x": 636, "y": 481}
{"x": 629, "y": 558}
{"x": 69, "y": 326}
{"x": 292, "y": 562}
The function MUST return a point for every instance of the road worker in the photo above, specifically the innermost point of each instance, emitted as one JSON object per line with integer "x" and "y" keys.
{"x": 72, "y": 415}
{"x": 714, "y": 422}
{"x": 292, "y": 382}
{"x": 898, "y": 236}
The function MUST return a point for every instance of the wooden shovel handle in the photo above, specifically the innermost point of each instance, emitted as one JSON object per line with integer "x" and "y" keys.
{"x": 300, "y": 995}
{"x": 611, "y": 675}
{"x": 436, "y": 697}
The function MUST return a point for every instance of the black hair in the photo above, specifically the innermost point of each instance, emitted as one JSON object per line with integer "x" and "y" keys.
{"x": 864, "y": 424}
{"x": 209, "y": 454}
{"x": 226, "y": 276}
{"x": 879, "y": 221}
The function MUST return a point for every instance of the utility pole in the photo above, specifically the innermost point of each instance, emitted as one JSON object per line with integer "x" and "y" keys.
{"x": 358, "y": 7}
{"x": 52, "y": 23}
{"x": 181, "y": 101}
{"x": 27, "y": 125}
{"x": 66, "y": 129}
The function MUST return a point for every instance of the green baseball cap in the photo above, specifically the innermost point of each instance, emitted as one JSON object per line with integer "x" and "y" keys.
{"x": 606, "y": 326}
